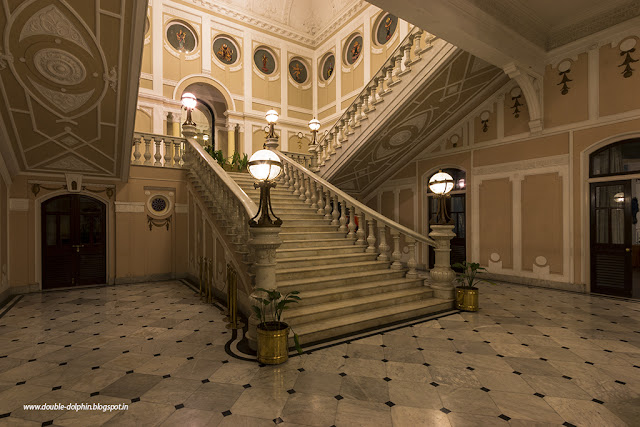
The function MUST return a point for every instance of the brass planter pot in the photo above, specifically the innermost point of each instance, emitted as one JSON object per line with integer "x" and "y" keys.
{"x": 467, "y": 299}
{"x": 273, "y": 343}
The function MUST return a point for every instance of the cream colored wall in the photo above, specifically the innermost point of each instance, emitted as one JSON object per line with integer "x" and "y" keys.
{"x": 4, "y": 240}
{"x": 527, "y": 192}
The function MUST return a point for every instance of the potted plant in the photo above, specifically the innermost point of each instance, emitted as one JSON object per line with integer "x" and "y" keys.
{"x": 273, "y": 333}
{"x": 467, "y": 292}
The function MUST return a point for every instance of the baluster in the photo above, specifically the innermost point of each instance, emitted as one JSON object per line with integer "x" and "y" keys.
{"x": 381, "y": 90}
{"x": 296, "y": 182}
{"x": 361, "y": 103}
{"x": 389, "y": 78}
{"x": 147, "y": 151}
{"x": 332, "y": 143}
{"x": 136, "y": 152}
{"x": 158, "y": 155}
{"x": 289, "y": 180}
{"x": 314, "y": 194}
{"x": 352, "y": 223}
{"x": 371, "y": 238}
{"x": 343, "y": 217}
{"x": 418, "y": 49}
{"x": 320, "y": 198}
{"x": 318, "y": 157}
{"x": 365, "y": 108}
{"x": 374, "y": 96}
{"x": 383, "y": 247}
{"x": 167, "y": 153}
{"x": 327, "y": 207}
{"x": 355, "y": 118}
{"x": 407, "y": 54}
{"x": 307, "y": 190}
{"x": 302, "y": 188}
{"x": 411, "y": 263}
{"x": 397, "y": 69}
{"x": 396, "y": 255}
{"x": 336, "y": 213}
{"x": 360, "y": 233}
{"x": 341, "y": 135}
{"x": 176, "y": 154}
{"x": 324, "y": 150}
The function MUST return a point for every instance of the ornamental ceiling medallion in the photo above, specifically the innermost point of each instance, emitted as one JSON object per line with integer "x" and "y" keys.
{"x": 451, "y": 93}
{"x": 65, "y": 107}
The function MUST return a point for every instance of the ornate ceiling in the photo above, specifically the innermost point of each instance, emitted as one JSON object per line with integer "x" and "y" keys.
{"x": 69, "y": 81}
{"x": 451, "y": 93}
{"x": 309, "y": 21}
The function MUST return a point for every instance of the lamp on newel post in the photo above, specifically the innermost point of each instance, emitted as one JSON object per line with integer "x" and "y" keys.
{"x": 272, "y": 138}
{"x": 314, "y": 148}
{"x": 442, "y": 275}
{"x": 265, "y": 166}
{"x": 189, "y": 103}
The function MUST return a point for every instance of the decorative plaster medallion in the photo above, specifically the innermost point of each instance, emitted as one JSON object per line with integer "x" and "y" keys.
{"x": 628, "y": 44}
{"x": 264, "y": 60}
{"x": 64, "y": 101}
{"x": 226, "y": 50}
{"x": 181, "y": 37}
{"x": 328, "y": 64}
{"x": 298, "y": 71}
{"x": 353, "y": 49}
{"x": 70, "y": 163}
{"x": 564, "y": 66}
{"x": 541, "y": 261}
{"x": 51, "y": 21}
{"x": 59, "y": 66}
{"x": 494, "y": 257}
{"x": 386, "y": 28}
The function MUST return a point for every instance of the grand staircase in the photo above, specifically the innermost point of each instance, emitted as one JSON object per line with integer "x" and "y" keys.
{"x": 344, "y": 288}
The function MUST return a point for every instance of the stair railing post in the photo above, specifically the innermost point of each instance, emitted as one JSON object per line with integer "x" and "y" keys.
{"x": 147, "y": 151}
{"x": 407, "y": 54}
{"x": 303, "y": 186}
{"x": 382, "y": 246}
{"x": 264, "y": 242}
{"x": 157, "y": 155}
{"x": 417, "y": 49}
{"x": 365, "y": 108}
{"x": 176, "y": 154}
{"x": 331, "y": 145}
{"x": 441, "y": 274}
{"x": 343, "y": 217}
{"x": 321, "y": 202}
{"x": 314, "y": 194}
{"x": 361, "y": 234}
{"x": 335, "y": 214}
{"x": 167, "y": 153}
{"x": 374, "y": 96}
{"x": 296, "y": 182}
{"x": 352, "y": 224}
{"x": 381, "y": 90}
{"x": 136, "y": 151}
{"x": 411, "y": 263}
{"x": 362, "y": 115}
{"x": 307, "y": 190}
{"x": 327, "y": 207}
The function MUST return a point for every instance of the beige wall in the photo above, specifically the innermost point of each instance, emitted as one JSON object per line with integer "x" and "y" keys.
{"x": 4, "y": 241}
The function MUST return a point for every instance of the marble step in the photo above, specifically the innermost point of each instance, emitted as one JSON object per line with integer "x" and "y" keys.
{"x": 316, "y": 283}
{"x": 316, "y": 312}
{"x": 284, "y": 254}
{"x": 295, "y": 244}
{"x": 310, "y": 223}
{"x": 338, "y": 293}
{"x": 350, "y": 324}
{"x": 320, "y": 271}
{"x": 324, "y": 260}
{"x": 287, "y": 227}
{"x": 311, "y": 235}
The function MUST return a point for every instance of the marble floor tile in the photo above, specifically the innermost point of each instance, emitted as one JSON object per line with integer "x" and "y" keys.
{"x": 462, "y": 419}
{"x": 131, "y": 385}
{"x": 310, "y": 409}
{"x": 412, "y": 416}
{"x": 454, "y": 376}
{"x": 408, "y": 372}
{"x": 365, "y": 367}
{"x": 503, "y": 381}
{"x": 171, "y": 391}
{"x": 365, "y": 351}
{"x": 468, "y": 400}
{"x": 214, "y": 397}
{"x": 318, "y": 383}
{"x": 417, "y": 395}
{"x": 584, "y": 412}
{"x": 260, "y": 403}
{"x": 141, "y": 413}
{"x": 234, "y": 420}
{"x": 357, "y": 413}
{"x": 524, "y": 407}
{"x": 365, "y": 389}
{"x": 192, "y": 418}
{"x": 532, "y": 366}
{"x": 556, "y": 387}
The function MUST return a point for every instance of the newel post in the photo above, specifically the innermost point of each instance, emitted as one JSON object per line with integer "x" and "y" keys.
{"x": 441, "y": 274}
{"x": 264, "y": 242}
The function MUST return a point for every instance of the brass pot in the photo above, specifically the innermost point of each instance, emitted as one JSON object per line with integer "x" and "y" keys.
{"x": 467, "y": 298}
{"x": 273, "y": 343}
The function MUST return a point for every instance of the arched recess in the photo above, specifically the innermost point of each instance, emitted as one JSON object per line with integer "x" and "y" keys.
{"x": 208, "y": 80}
{"x": 585, "y": 200}
{"x": 109, "y": 231}
{"x": 144, "y": 121}
{"x": 461, "y": 245}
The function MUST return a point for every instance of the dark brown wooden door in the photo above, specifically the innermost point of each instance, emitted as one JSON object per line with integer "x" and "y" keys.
{"x": 611, "y": 237}
{"x": 456, "y": 209}
{"x": 73, "y": 241}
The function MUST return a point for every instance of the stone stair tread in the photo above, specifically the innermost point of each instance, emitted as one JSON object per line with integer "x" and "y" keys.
{"x": 317, "y": 248}
{"x": 325, "y": 257}
{"x": 332, "y": 305}
{"x": 356, "y": 287}
{"x": 347, "y": 276}
{"x": 354, "y": 318}
{"x": 329, "y": 267}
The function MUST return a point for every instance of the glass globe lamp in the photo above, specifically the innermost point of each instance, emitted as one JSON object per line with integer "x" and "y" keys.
{"x": 265, "y": 166}
{"x": 441, "y": 184}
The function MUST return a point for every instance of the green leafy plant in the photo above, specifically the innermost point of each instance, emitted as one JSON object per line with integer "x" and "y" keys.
{"x": 272, "y": 306}
{"x": 243, "y": 163}
{"x": 216, "y": 154}
{"x": 467, "y": 278}
{"x": 235, "y": 160}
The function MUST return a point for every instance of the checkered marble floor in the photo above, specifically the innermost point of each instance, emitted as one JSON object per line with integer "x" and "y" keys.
{"x": 530, "y": 357}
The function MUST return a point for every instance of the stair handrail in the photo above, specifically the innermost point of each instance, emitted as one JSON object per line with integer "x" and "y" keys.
{"x": 249, "y": 205}
{"x": 344, "y": 197}
{"x": 408, "y": 40}
{"x": 150, "y": 149}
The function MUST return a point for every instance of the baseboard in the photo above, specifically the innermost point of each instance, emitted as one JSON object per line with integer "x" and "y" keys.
{"x": 149, "y": 278}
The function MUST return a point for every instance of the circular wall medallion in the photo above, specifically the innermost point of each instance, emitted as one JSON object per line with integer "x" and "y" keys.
{"x": 158, "y": 205}
{"x": 59, "y": 66}
{"x": 181, "y": 37}
{"x": 516, "y": 92}
{"x": 628, "y": 44}
{"x": 353, "y": 49}
{"x": 264, "y": 60}
{"x": 226, "y": 50}
{"x": 564, "y": 66}
{"x": 386, "y": 28}
{"x": 327, "y": 66}
{"x": 298, "y": 71}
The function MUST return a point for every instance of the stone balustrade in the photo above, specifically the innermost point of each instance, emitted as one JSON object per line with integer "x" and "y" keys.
{"x": 157, "y": 150}
{"x": 306, "y": 160}
{"x": 408, "y": 53}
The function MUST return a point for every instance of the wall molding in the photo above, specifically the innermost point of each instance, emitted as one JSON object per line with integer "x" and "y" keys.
{"x": 18, "y": 205}
{"x": 523, "y": 165}
{"x": 129, "y": 207}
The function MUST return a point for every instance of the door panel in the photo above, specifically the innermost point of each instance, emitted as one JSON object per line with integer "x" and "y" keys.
{"x": 611, "y": 237}
{"x": 73, "y": 241}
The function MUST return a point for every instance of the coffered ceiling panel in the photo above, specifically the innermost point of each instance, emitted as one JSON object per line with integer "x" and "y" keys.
{"x": 452, "y": 92}
{"x": 68, "y": 83}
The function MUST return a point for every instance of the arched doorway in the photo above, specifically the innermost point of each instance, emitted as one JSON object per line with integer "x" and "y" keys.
{"x": 614, "y": 228}
{"x": 456, "y": 207}
{"x": 209, "y": 117}
{"x": 73, "y": 241}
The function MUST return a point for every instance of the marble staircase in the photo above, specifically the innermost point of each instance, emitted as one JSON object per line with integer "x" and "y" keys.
{"x": 344, "y": 288}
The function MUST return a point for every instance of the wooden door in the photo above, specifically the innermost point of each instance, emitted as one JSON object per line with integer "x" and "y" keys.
{"x": 456, "y": 209}
{"x": 611, "y": 238}
{"x": 73, "y": 241}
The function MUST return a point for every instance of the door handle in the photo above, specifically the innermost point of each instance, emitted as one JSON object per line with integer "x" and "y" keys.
{"x": 77, "y": 247}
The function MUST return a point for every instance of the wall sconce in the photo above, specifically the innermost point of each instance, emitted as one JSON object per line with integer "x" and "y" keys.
{"x": 265, "y": 166}
{"x": 441, "y": 184}
{"x": 189, "y": 103}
